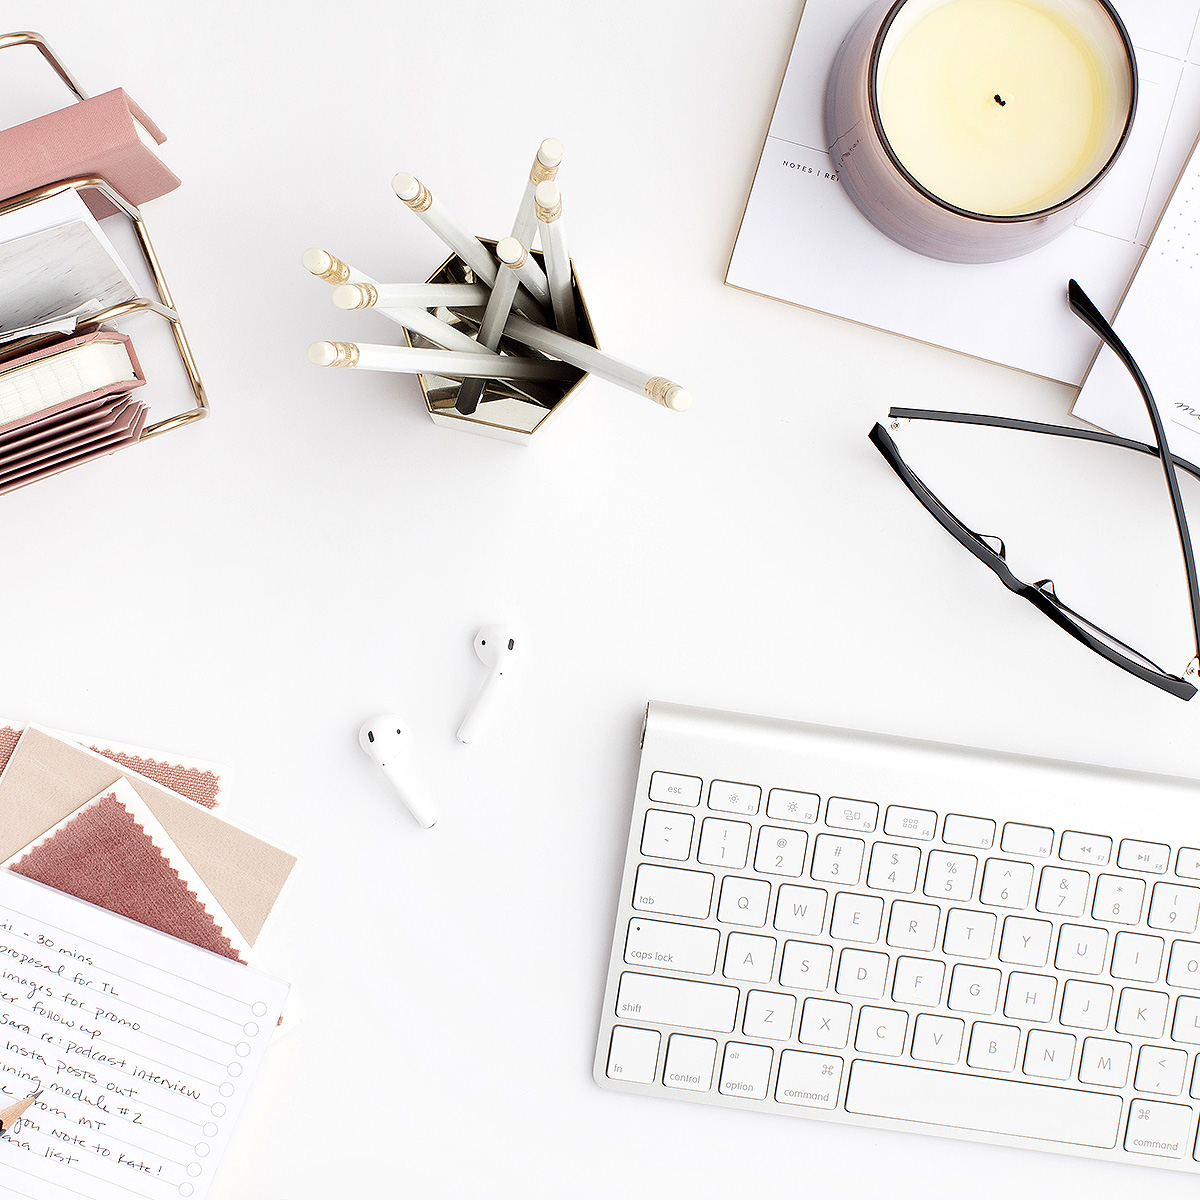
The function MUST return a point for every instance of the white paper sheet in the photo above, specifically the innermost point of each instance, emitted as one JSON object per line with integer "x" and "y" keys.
{"x": 145, "y": 1047}
{"x": 1158, "y": 321}
{"x": 803, "y": 241}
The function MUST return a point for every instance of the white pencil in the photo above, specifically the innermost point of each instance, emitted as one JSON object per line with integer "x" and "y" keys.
{"x": 412, "y": 361}
{"x": 545, "y": 166}
{"x": 588, "y": 358}
{"x": 548, "y": 208}
{"x": 512, "y": 255}
{"x": 410, "y": 295}
{"x": 466, "y": 245}
{"x": 325, "y": 266}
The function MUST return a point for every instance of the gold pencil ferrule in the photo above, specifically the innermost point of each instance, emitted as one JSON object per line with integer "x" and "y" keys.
{"x": 368, "y": 296}
{"x": 658, "y": 389}
{"x": 517, "y": 263}
{"x": 539, "y": 172}
{"x": 422, "y": 200}
{"x": 347, "y": 354}
{"x": 337, "y": 272}
{"x": 546, "y": 215}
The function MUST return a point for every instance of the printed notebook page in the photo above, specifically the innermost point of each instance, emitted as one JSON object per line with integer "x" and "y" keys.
{"x": 144, "y": 1048}
{"x": 1158, "y": 320}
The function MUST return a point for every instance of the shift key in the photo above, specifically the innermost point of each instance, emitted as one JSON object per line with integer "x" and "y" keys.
{"x": 659, "y": 1000}
{"x": 672, "y": 890}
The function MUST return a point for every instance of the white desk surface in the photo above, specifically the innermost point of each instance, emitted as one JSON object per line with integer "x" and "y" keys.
{"x": 251, "y": 589}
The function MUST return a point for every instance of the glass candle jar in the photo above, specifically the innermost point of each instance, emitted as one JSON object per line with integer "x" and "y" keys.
{"x": 979, "y": 130}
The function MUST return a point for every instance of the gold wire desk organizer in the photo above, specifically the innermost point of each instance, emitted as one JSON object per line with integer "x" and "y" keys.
{"x": 164, "y": 305}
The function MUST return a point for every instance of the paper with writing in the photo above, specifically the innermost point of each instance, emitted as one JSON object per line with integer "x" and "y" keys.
{"x": 145, "y": 1047}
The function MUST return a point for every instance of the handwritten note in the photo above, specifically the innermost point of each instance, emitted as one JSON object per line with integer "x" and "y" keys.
{"x": 144, "y": 1048}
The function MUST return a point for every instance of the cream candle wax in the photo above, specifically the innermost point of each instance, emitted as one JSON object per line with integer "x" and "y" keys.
{"x": 964, "y": 126}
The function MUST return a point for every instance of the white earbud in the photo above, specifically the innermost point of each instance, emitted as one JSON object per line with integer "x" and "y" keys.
{"x": 386, "y": 740}
{"x": 498, "y": 647}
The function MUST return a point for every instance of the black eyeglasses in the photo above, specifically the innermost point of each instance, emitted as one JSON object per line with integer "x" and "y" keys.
{"x": 990, "y": 550}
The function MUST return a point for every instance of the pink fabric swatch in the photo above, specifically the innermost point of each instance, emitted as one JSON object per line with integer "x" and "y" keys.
{"x": 195, "y": 784}
{"x": 9, "y": 737}
{"x": 104, "y": 857}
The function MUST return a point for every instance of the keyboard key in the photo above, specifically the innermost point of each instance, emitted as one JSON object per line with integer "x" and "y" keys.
{"x": 1025, "y": 941}
{"x": 1186, "y": 1027}
{"x": 673, "y": 891}
{"x": 1033, "y": 841}
{"x": 894, "y": 868}
{"x": 1049, "y": 1055}
{"x": 862, "y": 973}
{"x": 780, "y": 851}
{"x": 661, "y": 1001}
{"x": 1089, "y": 848}
{"x": 1030, "y": 997}
{"x": 918, "y": 981}
{"x": 938, "y": 1039}
{"x": 1118, "y": 899}
{"x": 743, "y": 798}
{"x": 919, "y": 823}
{"x": 970, "y": 1102}
{"x": 806, "y": 965}
{"x": 914, "y": 926}
{"x": 672, "y": 947}
{"x": 1187, "y": 862}
{"x": 969, "y": 934}
{"x": 1184, "y": 967}
{"x": 824, "y": 1023}
{"x": 978, "y": 833}
{"x": 801, "y": 807}
{"x": 1159, "y": 1129}
{"x": 860, "y": 815}
{"x": 974, "y": 989}
{"x": 808, "y": 1079}
{"x": 993, "y": 1047}
{"x": 1174, "y": 906}
{"x": 723, "y": 843}
{"x": 749, "y": 956}
{"x": 1137, "y": 956}
{"x": 881, "y": 1030}
{"x": 856, "y": 918}
{"x": 1142, "y": 1014}
{"x": 690, "y": 1062}
{"x": 667, "y": 834}
{"x": 1152, "y": 857}
{"x": 666, "y": 788}
{"x": 837, "y": 859}
{"x": 950, "y": 875}
{"x": 744, "y": 901}
{"x": 1161, "y": 1070}
{"x": 769, "y": 1015}
{"x": 1105, "y": 1062}
{"x": 800, "y": 909}
{"x": 1063, "y": 891}
{"x": 1081, "y": 948}
{"x": 633, "y": 1054}
{"x": 1006, "y": 884}
{"x": 746, "y": 1070}
{"x": 1085, "y": 1005}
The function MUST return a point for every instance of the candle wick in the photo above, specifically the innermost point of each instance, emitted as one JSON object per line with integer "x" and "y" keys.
{"x": 999, "y": 100}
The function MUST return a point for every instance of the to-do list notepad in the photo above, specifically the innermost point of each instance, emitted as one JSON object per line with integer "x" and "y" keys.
{"x": 144, "y": 1047}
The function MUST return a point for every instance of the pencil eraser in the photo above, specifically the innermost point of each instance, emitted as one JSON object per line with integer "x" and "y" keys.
{"x": 547, "y": 194}
{"x": 316, "y": 260}
{"x": 322, "y": 354}
{"x": 348, "y": 295}
{"x": 510, "y": 252}
{"x": 405, "y": 185}
{"x": 550, "y": 152}
{"x": 678, "y": 399}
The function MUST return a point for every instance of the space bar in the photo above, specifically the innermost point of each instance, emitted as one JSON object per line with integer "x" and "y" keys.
{"x": 1032, "y": 1110}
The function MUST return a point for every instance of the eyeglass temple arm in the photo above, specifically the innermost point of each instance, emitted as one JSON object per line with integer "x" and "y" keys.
{"x": 1091, "y": 316}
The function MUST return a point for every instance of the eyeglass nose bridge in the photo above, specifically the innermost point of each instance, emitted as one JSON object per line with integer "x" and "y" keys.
{"x": 1046, "y": 586}
{"x": 995, "y": 545}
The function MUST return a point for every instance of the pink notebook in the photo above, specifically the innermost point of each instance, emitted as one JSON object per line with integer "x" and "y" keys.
{"x": 98, "y": 136}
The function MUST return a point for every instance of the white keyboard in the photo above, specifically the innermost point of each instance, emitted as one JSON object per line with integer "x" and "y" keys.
{"x": 909, "y": 936}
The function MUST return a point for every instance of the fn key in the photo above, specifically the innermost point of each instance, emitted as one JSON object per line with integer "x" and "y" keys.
{"x": 633, "y": 1054}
